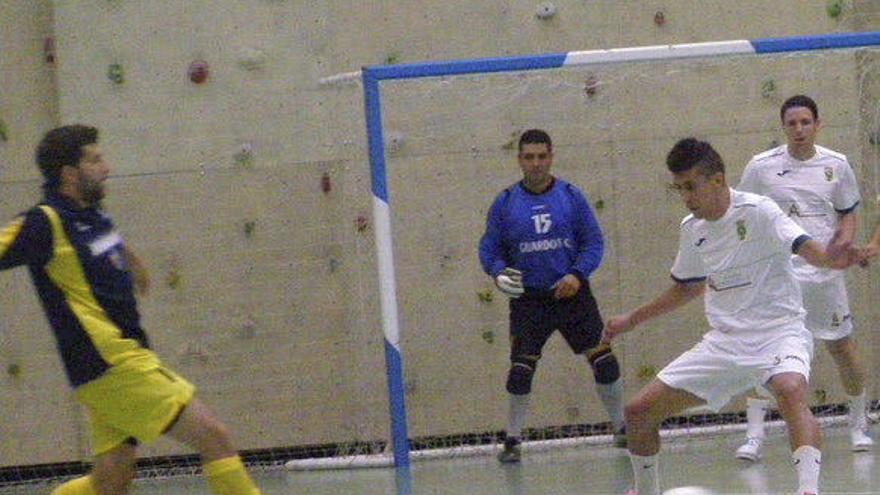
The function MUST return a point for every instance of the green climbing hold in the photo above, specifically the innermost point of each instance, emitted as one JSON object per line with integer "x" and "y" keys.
{"x": 13, "y": 370}
{"x": 485, "y": 295}
{"x": 116, "y": 73}
{"x": 768, "y": 88}
{"x": 834, "y": 8}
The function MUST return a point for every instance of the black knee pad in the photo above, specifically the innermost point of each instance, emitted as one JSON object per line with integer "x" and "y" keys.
{"x": 604, "y": 364}
{"x": 519, "y": 380}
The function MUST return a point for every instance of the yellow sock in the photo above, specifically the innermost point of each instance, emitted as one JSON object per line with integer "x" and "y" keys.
{"x": 78, "y": 486}
{"x": 228, "y": 477}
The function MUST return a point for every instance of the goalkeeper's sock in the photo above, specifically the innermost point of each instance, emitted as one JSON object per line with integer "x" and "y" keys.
{"x": 519, "y": 408}
{"x": 78, "y": 486}
{"x": 611, "y": 395}
{"x": 228, "y": 477}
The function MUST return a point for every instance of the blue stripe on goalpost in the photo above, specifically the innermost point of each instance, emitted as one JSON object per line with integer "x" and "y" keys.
{"x": 373, "y": 76}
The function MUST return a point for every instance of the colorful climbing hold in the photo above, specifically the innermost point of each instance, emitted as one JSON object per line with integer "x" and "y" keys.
{"x": 116, "y": 73}
{"x": 198, "y": 71}
{"x": 326, "y": 186}
{"x": 659, "y": 18}
{"x": 834, "y": 8}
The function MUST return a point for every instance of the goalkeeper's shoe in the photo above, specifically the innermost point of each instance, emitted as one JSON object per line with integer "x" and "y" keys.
{"x": 512, "y": 451}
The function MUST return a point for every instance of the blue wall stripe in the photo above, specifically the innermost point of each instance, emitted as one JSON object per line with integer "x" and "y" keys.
{"x": 820, "y": 42}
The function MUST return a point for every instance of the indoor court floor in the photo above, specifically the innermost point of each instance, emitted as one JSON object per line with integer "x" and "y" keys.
{"x": 706, "y": 462}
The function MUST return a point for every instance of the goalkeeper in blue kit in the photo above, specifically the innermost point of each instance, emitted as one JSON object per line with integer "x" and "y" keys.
{"x": 541, "y": 244}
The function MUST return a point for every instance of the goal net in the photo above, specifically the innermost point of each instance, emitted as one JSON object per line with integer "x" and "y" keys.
{"x": 450, "y": 142}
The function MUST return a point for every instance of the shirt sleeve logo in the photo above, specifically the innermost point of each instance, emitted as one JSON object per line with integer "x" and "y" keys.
{"x": 829, "y": 174}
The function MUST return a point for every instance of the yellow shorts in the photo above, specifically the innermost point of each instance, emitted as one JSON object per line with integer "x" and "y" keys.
{"x": 134, "y": 400}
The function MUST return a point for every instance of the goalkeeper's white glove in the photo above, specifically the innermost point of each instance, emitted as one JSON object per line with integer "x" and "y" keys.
{"x": 510, "y": 282}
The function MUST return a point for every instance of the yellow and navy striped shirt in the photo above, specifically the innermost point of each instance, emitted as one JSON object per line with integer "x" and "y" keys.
{"x": 77, "y": 263}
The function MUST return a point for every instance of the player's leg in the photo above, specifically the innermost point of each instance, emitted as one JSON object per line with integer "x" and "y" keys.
{"x": 852, "y": 375}
{"x": 519, "y": 386}
{"x": 756, "y": 413}
{"x": 581, "y": 325}
{"x": 530, "y": 327}
{"x": 609, "y": 386}
{"x": 199, "y": 428}
{"x": 829, "y": 319}
{"x": 787, "y": 376}
{"x": 113, "y": 468}
{"x": 644, "y": 413}
{"x": 805, "y": 437}
{"x": 709, "y": 373}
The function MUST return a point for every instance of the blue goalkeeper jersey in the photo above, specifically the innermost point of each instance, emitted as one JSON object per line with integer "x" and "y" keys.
{"x": 546, "y": 236}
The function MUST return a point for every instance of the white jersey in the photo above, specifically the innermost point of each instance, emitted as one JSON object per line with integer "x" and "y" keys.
{"x": 813, "y": 193}
{"x": 744, "y": 258}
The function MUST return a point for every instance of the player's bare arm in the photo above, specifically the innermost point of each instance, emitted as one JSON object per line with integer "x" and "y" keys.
{"x": 679, "y": 294}
{"x": 846, "y": 228}
{"x": 871, "y": 249}
{"x": 837, "y": 255}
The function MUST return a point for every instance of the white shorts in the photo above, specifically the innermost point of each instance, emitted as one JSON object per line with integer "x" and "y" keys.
{"x": 827, "y": 306}
{"x": 721, "y": 367}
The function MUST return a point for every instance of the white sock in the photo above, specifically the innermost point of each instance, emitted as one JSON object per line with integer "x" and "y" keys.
{"x": 611, "y": 395}
{"x": 756, "y": 410}
{"x": 857, "y": 407}
{"x": 519, "y": 408}
{"x": 646, "y": 473}
{"x": 808, "y": 462}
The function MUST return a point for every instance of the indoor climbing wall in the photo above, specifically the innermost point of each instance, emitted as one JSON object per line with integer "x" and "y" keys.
{"x": 242, "y": 181}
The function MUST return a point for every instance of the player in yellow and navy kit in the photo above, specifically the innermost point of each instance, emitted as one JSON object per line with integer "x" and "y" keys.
{"x": 85, "y": 277}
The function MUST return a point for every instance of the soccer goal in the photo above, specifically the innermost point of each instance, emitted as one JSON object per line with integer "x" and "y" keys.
{"x": 442, "y": 143}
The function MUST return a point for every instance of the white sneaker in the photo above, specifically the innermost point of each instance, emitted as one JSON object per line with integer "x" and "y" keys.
{"x": 861, "y": 442}
{"x": 751, "y": 450}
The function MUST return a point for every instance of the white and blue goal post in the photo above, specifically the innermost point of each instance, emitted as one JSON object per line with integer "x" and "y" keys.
{"x": 372, "y": 78}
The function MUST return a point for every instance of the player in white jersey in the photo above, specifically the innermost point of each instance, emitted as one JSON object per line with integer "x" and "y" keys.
{"x": 817, "y": 188}
{"x": 735, "y": 248}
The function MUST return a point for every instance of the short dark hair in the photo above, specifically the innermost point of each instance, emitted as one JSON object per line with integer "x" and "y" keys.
{"x": 799, "y": 101}
{"x": 535, "y": 136}
{"x": 61, "y": 147}
{"x": 691, "y": 152}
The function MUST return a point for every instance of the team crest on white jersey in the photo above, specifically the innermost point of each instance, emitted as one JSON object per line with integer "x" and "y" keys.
{"x": 741, "y": 229}
{"x": 829, "y": 174}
